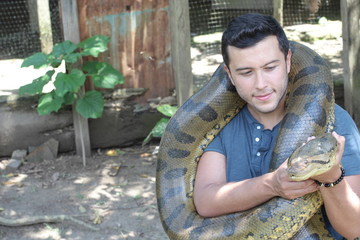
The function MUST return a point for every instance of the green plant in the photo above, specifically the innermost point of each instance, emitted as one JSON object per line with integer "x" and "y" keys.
{"x": 159, "y": 128}
{"x": 67, "y": 85}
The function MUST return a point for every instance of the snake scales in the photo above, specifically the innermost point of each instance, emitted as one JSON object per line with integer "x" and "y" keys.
{"x": 310, "y": 112}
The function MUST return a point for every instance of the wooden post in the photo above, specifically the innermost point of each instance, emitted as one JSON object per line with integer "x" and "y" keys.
{"x": 350, "y": 15}
{"x": 39, "y": 14}
{"x": 278, "y": 11}
{"x": 180, "y": 49}
{"x": 69, "y": 17}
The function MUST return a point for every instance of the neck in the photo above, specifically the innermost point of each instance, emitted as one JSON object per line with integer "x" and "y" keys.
{"x": 269, "y": 119}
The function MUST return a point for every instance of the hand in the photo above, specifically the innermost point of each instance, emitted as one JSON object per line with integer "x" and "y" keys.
{"x": 334, "y": 173}
{"x": 286, "y": 188}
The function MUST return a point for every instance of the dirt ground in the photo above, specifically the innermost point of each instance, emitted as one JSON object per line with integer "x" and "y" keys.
{"x": 113, "y": 193}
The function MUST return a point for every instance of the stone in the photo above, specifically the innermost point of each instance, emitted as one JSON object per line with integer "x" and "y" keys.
{"x": 55, "y": 176}
{"x": 13, "y": 164}
{"x": 46, "y": 151}
{"x": 19, "y": 154}
{"x": 16, "y": 133}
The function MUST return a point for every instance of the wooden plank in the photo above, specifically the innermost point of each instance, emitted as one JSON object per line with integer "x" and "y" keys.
{"x": 278, "y": 6}
{"x": 346, "y": 46}
{"x": 350, "y": 14}
{"x": 140, "y": 46}
{"x": 180, "y": 49}
{"x": 69, "y": 17}
{"x": 45, "y": 29}
{"x": 39, "y": 14}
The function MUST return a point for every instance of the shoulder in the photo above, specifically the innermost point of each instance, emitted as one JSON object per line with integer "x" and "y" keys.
{"x": 344, "y": 124}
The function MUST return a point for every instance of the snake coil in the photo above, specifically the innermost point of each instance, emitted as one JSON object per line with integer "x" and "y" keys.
{"x": 310, "y": 111}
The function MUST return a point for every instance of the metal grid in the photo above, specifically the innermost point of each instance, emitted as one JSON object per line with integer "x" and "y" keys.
{"x": 19, "y": 37}
{"x": 208, "y": 16}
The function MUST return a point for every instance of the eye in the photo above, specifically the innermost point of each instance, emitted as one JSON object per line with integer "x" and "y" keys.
{"x": 269, "y": 68}
{"x": 247, "y": 73}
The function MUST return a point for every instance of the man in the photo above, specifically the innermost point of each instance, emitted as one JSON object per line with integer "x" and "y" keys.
{"x": 232, "y": 174}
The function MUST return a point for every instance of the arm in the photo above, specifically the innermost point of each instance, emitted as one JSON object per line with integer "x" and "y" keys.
{"x": 214, "y": 196}
{"x": 342, "y": 202}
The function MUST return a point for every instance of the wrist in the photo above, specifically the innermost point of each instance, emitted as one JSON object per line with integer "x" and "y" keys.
{"x": 330, "y": 175}
{"x": 332, "y": 183}
{"x": 272, "y": 183}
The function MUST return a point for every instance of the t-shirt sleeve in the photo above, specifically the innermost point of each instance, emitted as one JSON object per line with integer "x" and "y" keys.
{"x": 345, "y": 126}
{"x": 216, "y": 145}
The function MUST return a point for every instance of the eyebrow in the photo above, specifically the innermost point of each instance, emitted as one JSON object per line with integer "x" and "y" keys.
{"x": 247, "y": 68}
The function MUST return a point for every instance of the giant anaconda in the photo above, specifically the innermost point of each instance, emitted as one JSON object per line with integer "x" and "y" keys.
{"x": 310, "y": 112}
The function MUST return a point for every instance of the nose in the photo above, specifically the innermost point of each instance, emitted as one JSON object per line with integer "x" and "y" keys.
{"x": 260, "y": 80}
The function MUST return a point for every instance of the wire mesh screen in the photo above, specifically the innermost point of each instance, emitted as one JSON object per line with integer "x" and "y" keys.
{"x": 305, "y": 11}
{"x": 19, "y": 31}
{"x": 209, "y": 18}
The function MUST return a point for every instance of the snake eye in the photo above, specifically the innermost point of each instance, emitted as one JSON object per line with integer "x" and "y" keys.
{"x": 306, "y": 162}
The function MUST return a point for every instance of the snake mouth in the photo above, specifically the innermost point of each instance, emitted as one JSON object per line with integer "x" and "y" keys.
{"x": 303, "y": 175}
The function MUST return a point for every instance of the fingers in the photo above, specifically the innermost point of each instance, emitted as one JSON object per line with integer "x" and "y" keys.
{"x": 288, "y": 189}
{"x": 340, "y": 139}
{"x": 292, "y": 190}
{"x": 341, "y": 145}
{"x": 298, "y": 189}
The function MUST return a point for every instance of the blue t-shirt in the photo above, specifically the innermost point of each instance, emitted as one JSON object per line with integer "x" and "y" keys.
{"x": 248, "y": 147}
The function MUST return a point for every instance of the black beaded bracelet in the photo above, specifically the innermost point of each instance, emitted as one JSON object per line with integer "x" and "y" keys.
{"x": 327, "y": 185}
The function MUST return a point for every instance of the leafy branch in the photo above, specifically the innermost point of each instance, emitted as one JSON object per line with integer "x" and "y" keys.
{"x": 67, "y": 86}
{"x": 159, "y": 128}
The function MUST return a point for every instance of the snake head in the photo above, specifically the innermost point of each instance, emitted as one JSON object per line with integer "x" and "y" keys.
{"x": 313, "y": 158}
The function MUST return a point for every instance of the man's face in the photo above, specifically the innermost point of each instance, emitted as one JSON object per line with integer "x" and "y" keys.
{"x": 260, "y": 75}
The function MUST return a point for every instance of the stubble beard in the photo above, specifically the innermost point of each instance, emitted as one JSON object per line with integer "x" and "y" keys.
{"x": 268, "y": 109}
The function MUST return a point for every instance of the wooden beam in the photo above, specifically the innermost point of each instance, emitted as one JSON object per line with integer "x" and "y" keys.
{"x": 278, "y": 11}
{"x": 180, "y": 49}
{"x": 350, "y": 15}
{"x": 70, "y": 22}
{"x": 39, "y": 14}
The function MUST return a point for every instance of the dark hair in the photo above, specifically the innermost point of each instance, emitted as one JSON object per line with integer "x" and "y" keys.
{"x": 249, "y": 29}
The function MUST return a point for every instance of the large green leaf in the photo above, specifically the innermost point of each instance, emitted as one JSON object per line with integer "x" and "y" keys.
{"x": 158, "y": 130}
{"x": 37, "y": 60}
{"x": 64, "y": 51}
{"x": 91, "y": 105}
{"x": 49, "y": 103}
{"x": 167, "y": 110}
{"x": 63, "y": 48}
{"x": 37, "y": 84}
{"x": 69, "y": 98}
{"x": 103, "y": 74}
{"x": 70, "y": 82}
{"x": 94, "y": 45}
{"x": 72, "y": 57}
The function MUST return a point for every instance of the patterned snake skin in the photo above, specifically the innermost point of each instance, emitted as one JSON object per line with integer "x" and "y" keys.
{"x": 310, "y": 112}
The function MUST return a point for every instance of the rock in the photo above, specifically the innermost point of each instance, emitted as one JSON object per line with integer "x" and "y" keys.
{"x": 55, "y": 176}
{"x": 16, "y": 159}
{"x": 19, "y": 154}
{"x": 16, "y": 133}
{"x": 122, "y": 128}
{"x": 171, "y": 100}
{"x": 13, "y": 164}
{"x": 46, "y": 151}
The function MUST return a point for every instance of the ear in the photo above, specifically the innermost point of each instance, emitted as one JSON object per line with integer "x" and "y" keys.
{"x": 288, "y": 61}
{"x": 229, "y": 74}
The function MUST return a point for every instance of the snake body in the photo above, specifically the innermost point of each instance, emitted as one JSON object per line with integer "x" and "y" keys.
{"x": 310, "y": 112}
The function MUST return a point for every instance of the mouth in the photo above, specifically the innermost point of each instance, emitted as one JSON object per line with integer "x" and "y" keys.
{"x": 263, "y": 97}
